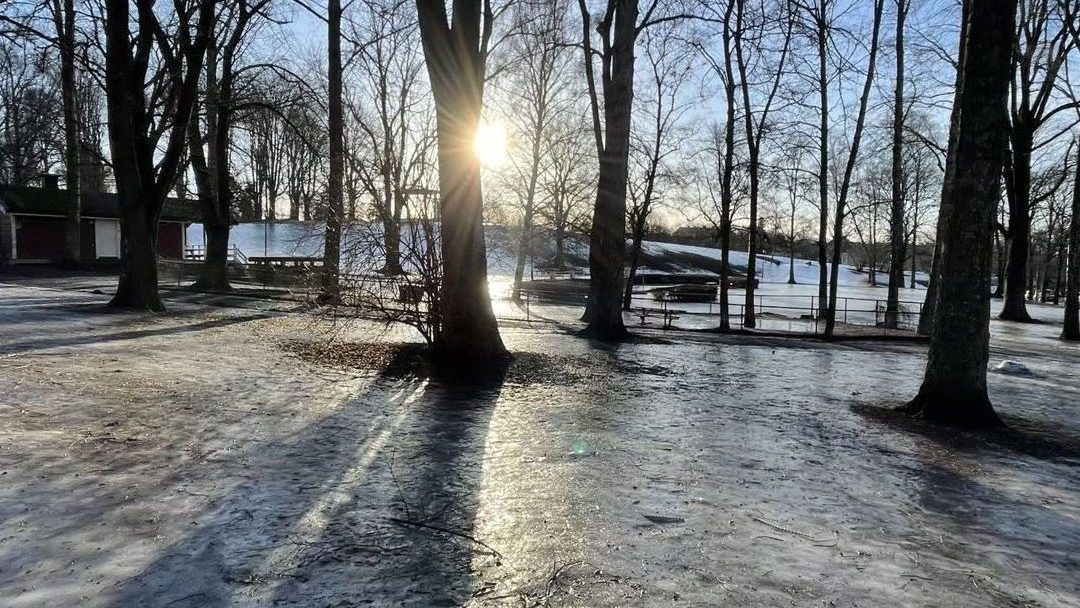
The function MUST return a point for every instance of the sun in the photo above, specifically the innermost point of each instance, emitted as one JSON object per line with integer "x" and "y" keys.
{"x": 489, "y": 144}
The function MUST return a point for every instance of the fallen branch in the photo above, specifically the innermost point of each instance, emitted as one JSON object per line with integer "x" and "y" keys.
{"x": 417, "y": 524}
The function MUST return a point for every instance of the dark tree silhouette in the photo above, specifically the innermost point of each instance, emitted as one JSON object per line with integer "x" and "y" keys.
{"x": 954, "y": 385}
{"x": 456, "y": 55}
{"x": 897, "y": 240}
{"x": 212, "y": 167}
{"x": 144, "y": 167}
{"x": 331, "y": 291}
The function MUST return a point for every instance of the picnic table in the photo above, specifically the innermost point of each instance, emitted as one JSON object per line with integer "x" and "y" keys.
{"x": 669, "y": 315}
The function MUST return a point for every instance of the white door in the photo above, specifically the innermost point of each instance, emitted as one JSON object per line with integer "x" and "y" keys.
{"x": 107, "y": 238}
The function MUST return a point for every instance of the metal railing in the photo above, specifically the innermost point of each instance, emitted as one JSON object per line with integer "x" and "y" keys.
{"x": 198, "y": 254}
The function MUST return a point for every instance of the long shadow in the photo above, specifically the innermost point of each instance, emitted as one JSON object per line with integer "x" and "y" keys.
{"x": 374, "y": 503}
{"x": 419, "y": 547}
{"x": 998, "y": 527}
{"x": 91, "y": 338}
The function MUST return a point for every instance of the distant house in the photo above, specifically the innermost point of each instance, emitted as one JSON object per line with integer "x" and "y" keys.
{"x": 33, "y": 223}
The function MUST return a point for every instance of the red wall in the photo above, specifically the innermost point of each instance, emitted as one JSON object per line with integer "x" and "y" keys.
{"x": 170, "y": 240}
{"x": 40, "y": 238}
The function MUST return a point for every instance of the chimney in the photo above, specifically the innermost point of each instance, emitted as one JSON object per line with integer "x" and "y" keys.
{"x": 49, "y": 181}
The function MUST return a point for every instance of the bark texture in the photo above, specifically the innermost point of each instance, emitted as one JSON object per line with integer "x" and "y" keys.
{"x": 954, "y": 385}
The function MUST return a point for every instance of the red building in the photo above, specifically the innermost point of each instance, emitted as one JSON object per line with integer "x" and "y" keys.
{"x": 33, "y": 222}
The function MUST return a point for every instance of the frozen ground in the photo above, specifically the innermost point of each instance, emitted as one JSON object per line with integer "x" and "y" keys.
{"x": 190, "y": 460}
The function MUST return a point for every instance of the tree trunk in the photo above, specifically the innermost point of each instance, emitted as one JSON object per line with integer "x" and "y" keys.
{"x": 65, "y": 30}
{"x": 392, "y": 237}
{"x": 1071, "y": 331}
{"x": 144, "y": 172}
{"x": 849, "y": 168}
{"x": 524, "y": 247}
{"x": 823, "y": 173}
{"x": 929, "y": 308}
{"x": 138, "y": 286}
{"x": 1002, "y": 243}
{"x": 896, "y": 227}
{"x": 560, "y": 247}
{"x": 607, "y": 241}
{"x": 954, "y": 385}
{"x": 1016, "y": 274}
{"x": 635, "y": 258}
{"x": 336, "y": 177}
{"x": 456, "y": 67}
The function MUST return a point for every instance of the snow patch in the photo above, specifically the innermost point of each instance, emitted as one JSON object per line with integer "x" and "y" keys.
{"x": 1013, "y": 368}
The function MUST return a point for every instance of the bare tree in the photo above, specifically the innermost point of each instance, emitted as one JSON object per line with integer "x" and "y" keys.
{"x": 29, "y": 113}
{"x": 391, "y": 113}
{"x": 145, "y": 163}
{"x": 849, "y": 167}
{"x": 669, "y": 67}
{"x": 954, "y": 385}
{"x": 751, "y": 54}
{"x": 456, "y": 52}
{"x": 212, "y": 169}
{"x": 1043, "y": 48}
{"x": 538, "y": 93}
{"x": 567, "y": 183}
{"x": 897, "y": 233}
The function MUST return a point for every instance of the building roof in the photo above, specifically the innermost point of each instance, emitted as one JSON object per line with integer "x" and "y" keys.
{"x": 51, "y": 201}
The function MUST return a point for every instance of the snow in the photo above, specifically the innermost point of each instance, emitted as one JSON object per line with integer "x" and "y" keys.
{"x": 189, "y": 460}
{"x": 305, "y": 239}
{"x": 1013, "y": 368}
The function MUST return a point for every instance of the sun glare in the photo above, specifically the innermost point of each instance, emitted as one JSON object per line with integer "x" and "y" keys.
{"x": 490, "y": 144}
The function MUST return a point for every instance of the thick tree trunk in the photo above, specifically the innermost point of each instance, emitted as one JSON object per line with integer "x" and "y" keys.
{"x": 1071, "y": 331}
{"x": 607, "y": 251}
{"x": 455, "y": 60}
{"x": 213, "y": 276}
{"x": 145, "y": 172}
{"x": 896, "y": 220}
{"x": 929, "y": 308}
{"x": 214, "y": 272}
{"x": 138, "y": 286}
{"x": 954, "y": 386}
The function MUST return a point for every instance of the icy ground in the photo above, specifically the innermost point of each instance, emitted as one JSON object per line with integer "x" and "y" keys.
{"x": 190, "y": 460}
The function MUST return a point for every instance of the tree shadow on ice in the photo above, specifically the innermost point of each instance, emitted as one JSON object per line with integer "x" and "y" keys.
{"x": 374, "y": 502}
{"x": 90, "y": 337}
{"x": 1031, "y": 437}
